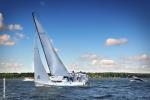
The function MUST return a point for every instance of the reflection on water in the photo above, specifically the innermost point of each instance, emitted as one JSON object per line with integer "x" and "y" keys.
{"x": 107, "y": 89}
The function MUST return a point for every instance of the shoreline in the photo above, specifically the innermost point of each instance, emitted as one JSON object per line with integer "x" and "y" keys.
{"x": 91, "y": 75}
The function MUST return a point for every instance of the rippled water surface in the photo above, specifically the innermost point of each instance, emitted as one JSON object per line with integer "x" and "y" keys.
{"x": 106, "y": 89}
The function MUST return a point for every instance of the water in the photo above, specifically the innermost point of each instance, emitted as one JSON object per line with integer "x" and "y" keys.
{"x": 105, "y": 89}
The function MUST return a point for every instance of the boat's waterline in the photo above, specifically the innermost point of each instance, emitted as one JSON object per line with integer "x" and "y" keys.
{"x": 49, "y": 84}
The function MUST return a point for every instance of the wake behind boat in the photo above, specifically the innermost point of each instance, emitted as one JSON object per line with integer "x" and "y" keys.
{"x": 136, "y": 79}
{"x": 28, "y": 79}
{"x": 59, "y": 75}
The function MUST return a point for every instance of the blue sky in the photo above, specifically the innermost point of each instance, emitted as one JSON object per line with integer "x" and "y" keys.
{"x": 90, "y": 35}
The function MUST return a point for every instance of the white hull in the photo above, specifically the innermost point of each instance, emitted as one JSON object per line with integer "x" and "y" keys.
{"x": 60, "y": 81}
{"x": 38, "y": 84}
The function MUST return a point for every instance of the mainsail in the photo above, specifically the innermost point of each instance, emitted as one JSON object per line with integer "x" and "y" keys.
{"x": 40, "y": 74}
{"x": 55, "y": 65}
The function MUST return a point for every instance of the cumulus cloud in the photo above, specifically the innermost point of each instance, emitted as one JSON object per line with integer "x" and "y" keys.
{"x": 76, "y": 67}
{"x": 19, "y": 36}
{"x": 103, "y": 62}
{"x": 142, "y": 57}
{"x": 73, "y": 65}
{"x": 10, "y": 67}
{"x": 94, "y": 63}
{"x": 96, "y": 60}
{"x": 10, "y": 27}
{"x": 9, "y": 43}
{"x": 113, "y": 41}
{"x": 1, "y": 21}
{"x": 15, "y": 64}
{"x": 107, "y": 62}
{"x": 89, "y": 56}
{"x": 137, "y": 63}
{"x": 10, "y": 40}
{"x": 15, "y": 27}
{"x": 5, "y": 40}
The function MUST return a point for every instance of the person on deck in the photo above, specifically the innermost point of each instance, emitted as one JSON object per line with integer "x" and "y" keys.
{"x": 73, "y": 75}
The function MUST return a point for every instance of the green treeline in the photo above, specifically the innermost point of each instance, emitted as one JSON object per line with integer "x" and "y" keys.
{"x": 91, "y": 75}
{"x": 122, "y": 75}
{"x": 16, "y": 75}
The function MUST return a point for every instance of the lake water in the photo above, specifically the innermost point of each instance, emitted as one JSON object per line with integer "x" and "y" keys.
{"x": 105, "y": 89}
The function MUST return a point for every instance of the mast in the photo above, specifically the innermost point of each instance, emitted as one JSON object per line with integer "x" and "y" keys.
{"x": 40, "y": 40}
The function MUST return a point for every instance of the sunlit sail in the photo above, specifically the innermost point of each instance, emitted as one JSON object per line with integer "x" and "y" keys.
{"x": 40, "y": 74}
{"x": 55, "y": 65}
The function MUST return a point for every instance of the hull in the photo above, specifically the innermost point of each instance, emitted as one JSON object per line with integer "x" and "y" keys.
{"x": 49, "y": 84}
{"x": 60, "y": 81}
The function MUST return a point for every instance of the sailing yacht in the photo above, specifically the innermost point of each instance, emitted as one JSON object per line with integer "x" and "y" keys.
{"x": 59, "y": 75}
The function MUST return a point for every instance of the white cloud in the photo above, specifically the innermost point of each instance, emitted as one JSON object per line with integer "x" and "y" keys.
{"x": 138, "y": 63}
{"x": 108, "y": 62}
{"x": 1, "y": 21}
{"x": 103, "y": 62}
{"x": 142, "y": 57}
{"x": 96, "y": 60}
{"x": 89, "y": 56}
{"x": 10, "y": 27}
{"x": 113, "y": 41}
{"x": 73, "y": 65}
{"x": 12, "y": 64}
{"x": 9, "y": 43}
{"x": 19, "y": 36}
{"x": 94, "y": 63}
{"x": 10, "y": 40}
{"x": 10, "y": 67}
{"x": 16, "y": 27}
{"x": 5, "y": 39}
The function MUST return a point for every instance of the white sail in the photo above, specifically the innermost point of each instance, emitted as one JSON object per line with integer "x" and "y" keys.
{"x": 55, "y": 65}
{"x": 40, "y": 74}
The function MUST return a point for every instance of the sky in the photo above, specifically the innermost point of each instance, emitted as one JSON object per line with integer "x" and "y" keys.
{"x": 88, "y": 35}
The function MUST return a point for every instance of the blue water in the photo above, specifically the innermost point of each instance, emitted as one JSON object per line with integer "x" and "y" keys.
{"x": 98, "y": 89}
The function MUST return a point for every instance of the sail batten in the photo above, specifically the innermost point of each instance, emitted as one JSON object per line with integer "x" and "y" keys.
{"x": 54, "y": 63}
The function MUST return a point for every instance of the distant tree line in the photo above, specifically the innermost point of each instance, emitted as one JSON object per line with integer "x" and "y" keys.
{"x": 91, "y": 75}
{"x": 16, "y": 75}
{"x": 122, "y": 75}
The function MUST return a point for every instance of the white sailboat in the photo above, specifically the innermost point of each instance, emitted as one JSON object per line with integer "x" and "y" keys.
{"x": 59, "y": 75}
